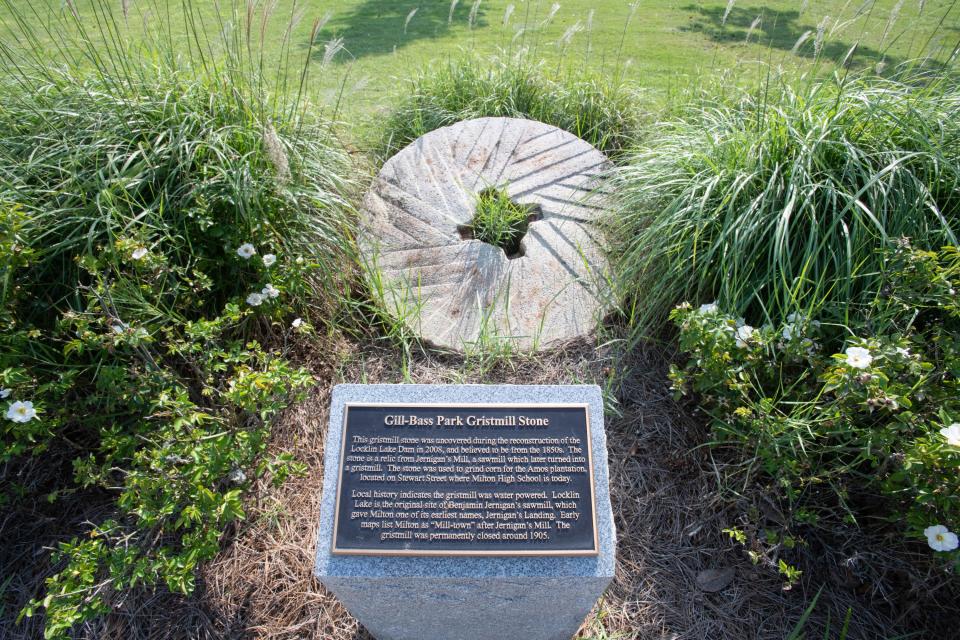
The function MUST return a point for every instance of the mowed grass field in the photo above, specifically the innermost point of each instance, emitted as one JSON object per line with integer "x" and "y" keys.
{"x": 364, "y": 50}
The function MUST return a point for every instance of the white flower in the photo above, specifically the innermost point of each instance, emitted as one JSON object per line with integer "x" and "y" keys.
{"x": 21, "y": 411}
{"x": 794, "y": 317}
{"x": 710, "y": 307}
{"x": 140, "y": 253}
{"x": 117, "y": 328}
{"x": 744, "y": 333}
{"x": 858, "y": 357}
{"x": 904, "y": 353}
{"x": 237, "y": 476}
{"x": 269, "y": 259}
{"x": 940, "y": 538}
{"x": 5, "y": 393}
{"x": 297, "y": 323}
{"x": 788, "y": 331}
{"x": 246, "y": 251}
{"x": 254, "y": 299}
{"x": 952, "y": 434}
{"x": 270, "y": 291}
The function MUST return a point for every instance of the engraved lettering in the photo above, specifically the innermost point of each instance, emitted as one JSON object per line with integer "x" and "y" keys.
{"x": 439, "y": 480}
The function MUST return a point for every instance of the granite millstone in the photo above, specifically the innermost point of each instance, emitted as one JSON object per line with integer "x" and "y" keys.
{"x": 475, "y": 597}
{"x": 452, "y": 290}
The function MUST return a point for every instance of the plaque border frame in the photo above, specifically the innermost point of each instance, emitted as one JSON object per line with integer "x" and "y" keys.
{"x": 595, "y": 551}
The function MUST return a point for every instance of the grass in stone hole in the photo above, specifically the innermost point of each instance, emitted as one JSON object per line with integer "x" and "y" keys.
{"x": 500, "y": 221}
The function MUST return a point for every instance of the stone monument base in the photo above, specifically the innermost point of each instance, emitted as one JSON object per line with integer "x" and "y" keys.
{"x": 424, "y": 597}
{"x": 432, "y": 607}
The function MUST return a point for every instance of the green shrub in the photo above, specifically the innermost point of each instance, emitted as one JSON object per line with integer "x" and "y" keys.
{"x": 160, "y": 228}
{"x": 783, "y": 199}
{"x": 877, "y": 415}
{"x": 598, "y": 110}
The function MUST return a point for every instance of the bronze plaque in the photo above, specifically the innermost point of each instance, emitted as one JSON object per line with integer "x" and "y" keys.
{"x": 465, "y": 479}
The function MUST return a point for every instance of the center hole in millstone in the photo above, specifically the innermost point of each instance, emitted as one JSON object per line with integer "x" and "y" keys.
{"x": 500, "y": 221}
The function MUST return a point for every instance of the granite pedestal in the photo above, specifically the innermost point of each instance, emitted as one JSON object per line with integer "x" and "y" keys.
{"x": 468, "y": 598}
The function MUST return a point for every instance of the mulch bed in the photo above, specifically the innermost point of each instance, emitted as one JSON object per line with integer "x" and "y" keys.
{"x": 672, "y": 498}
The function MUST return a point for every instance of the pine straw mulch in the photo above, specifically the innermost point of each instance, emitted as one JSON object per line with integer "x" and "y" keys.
{"x": 672, "y": 498}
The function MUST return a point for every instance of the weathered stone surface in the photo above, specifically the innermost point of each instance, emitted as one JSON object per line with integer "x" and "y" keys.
{"x": 453, "y": 291}
{"x": 714, "y": 580}
{"x": 467, "y": 597}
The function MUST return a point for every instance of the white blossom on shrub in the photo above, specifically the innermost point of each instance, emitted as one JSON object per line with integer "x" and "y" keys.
{"x": 710, "y": 307}
{"x": 21, "y": 411}
{"x": 140, "y": 253}
{"x": 254, "y": 299}
{"x": 940, "y": 538}
{"x": 952, "y": 434}
{"x": 5, "y": 393}
{"x": 246, "y": 251}
{"x": 297, "y": 323}
{"x": 269, "y": 259}
{"x": 744, "y": 333}
{"x": 858, "y": 357}
{"x": 270, "y": 291}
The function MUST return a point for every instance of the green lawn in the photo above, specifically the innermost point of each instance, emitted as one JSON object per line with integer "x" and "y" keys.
{"x": 668, "y": 44}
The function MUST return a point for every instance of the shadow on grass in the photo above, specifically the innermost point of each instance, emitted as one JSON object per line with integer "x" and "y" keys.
{"x": 376, "y": 27}
{"x": 784, "y": 29}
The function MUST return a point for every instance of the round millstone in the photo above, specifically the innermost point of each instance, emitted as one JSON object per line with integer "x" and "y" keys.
{"x": 454, "y": 290}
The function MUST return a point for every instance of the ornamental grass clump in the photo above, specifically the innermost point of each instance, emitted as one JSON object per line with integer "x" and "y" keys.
{"x": 500, "y": 221}
{"x": 168, "y": 178}
{"x": 162, "y": 221}
{"x": 599, "y": 110}
{"x": 783, "y": 199}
